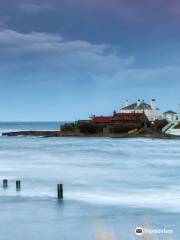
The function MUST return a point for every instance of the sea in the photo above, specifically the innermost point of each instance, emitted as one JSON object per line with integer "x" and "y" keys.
{"x": 111, "y": 186}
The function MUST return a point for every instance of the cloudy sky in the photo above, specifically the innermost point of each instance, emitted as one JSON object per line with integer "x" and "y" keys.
{"x": 66, "y": 59}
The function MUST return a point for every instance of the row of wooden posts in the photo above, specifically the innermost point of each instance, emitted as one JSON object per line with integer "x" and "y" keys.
{"x": 18, "y": 187}
{"x": 18, "y": 184}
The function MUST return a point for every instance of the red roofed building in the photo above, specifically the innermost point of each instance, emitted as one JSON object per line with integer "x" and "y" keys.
{"x": 102, "y": 119}
{"x": 129, "y": 117}
{"x": 117, "y": 123}
{"x": 120, "y": 117}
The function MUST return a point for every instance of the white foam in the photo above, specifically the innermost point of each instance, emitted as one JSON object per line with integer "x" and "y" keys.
{"x": 165, "y": 201}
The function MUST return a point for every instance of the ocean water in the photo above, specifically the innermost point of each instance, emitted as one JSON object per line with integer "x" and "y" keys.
{"x": 119, "y": 184}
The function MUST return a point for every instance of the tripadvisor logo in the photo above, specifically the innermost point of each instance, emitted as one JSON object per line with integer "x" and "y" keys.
{"x": 139, "y": 231}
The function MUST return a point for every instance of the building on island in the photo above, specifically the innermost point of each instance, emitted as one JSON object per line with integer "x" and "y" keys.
{"x": 116, "y": 118}
{"x": 150, "y": 110}
{"x": 171, "y": 116}
{"x": 116, "y": 123}
{"x": 173, "y": 126}
{"x": 137, "y": 118}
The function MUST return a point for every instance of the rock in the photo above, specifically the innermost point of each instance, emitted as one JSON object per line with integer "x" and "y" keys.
{"x": 33, "y": 133}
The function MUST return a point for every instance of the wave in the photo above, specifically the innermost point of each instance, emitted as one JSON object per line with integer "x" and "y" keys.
{"x": 168, "y": 202}
{"x": 165, "y": 202}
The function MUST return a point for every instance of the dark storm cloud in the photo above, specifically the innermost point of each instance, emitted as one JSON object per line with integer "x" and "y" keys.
{"x": 88, "y": 55}
{"x": 33, "y": 44}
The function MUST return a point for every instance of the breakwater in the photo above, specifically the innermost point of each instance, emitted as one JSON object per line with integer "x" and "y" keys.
{"x": 141, "y": 134}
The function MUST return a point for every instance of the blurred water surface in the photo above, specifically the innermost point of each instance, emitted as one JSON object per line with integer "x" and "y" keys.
{"x": 117, "y": 182}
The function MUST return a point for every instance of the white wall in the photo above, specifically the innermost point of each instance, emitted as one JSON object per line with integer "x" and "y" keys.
{"x": 174, "y": 131}
{"x": 172, "y": 117}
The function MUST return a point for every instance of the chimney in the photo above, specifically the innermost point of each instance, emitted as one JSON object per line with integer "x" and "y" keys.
{"x": 138, "y": 102}
{"x": 126, "y": 103}
{"x": 153, "y": 104}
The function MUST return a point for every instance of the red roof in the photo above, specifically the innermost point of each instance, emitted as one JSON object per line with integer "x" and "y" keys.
{"x": 120, "y": 117}
{"x": 129, "y": 117}
{"x": 102, "y": 119}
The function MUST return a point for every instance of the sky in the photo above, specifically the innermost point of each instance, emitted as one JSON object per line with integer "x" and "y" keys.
{"x": 67, "y": 59}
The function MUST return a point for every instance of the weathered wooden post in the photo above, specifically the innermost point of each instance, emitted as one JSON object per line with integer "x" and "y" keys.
{"x": 60, "y": 191}
{"x": 18, "y": 185}
{"x": 5, "y": 183}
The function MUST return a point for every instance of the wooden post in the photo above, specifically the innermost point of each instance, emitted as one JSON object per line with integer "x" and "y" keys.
{"x": 60, "y": 191}
{"x": 18, "y": 185}
{"x": 5, "y": 183}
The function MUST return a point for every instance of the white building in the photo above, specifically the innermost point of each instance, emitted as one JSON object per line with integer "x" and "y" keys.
{"x": 150, "y": 110}
{"x": 173, "y": 127}
{"x": 171, "y": 116}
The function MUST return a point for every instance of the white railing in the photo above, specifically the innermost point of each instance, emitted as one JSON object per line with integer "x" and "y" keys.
{"x": 164, "y": 129}
{"x": 169, "y": 131}
{"x": 169, "y": 127}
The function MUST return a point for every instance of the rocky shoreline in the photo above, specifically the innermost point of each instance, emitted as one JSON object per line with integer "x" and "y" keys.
{"x": 32, "y": 134}
{"x": 147, "y": 134}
